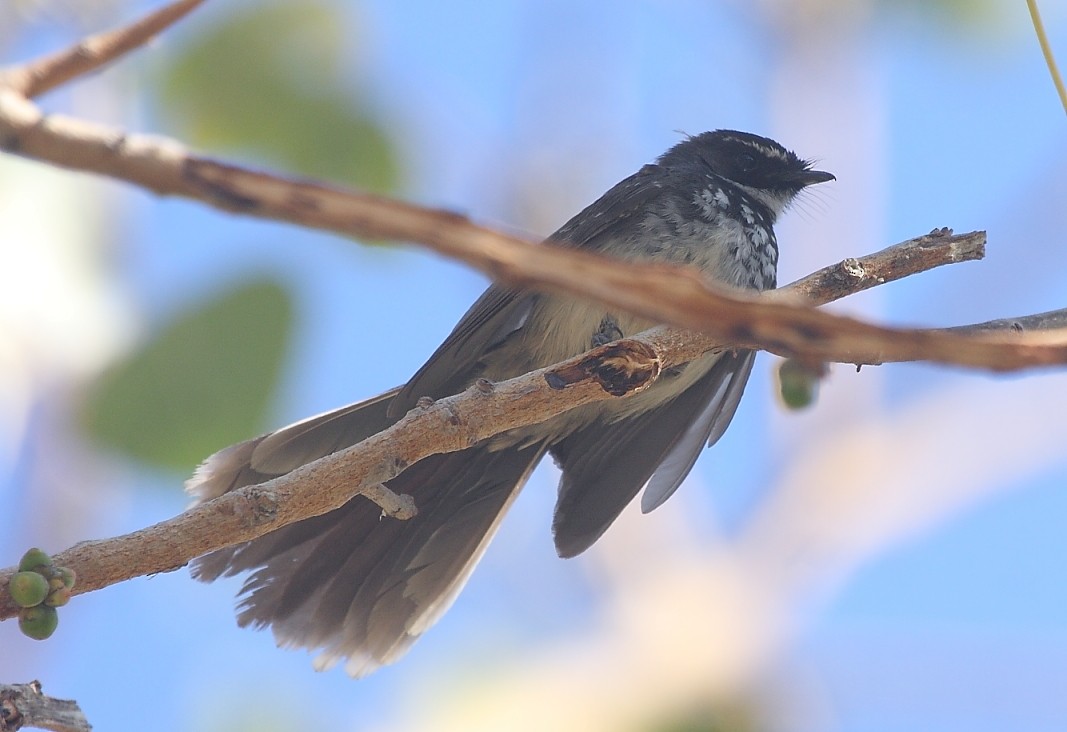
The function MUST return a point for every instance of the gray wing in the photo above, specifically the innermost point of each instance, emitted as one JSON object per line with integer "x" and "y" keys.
{"x": 605, "y": 465}
{"x": 500, "y": 312}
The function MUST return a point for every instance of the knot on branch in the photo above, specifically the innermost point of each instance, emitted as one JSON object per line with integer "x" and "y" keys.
{"x": 258, "y": 505}
{"x": 620, "y": 368}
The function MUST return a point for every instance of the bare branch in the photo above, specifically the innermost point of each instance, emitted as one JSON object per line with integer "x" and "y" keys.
{"x": 447, "y": 425}
{"x": 916, "y": 255}
{"x": 672, "y": 295}
{"x": 782, "y": 322}
{"x": 24, "y": 705}
{"x": 444, "y": 426}
{"x": 36, "y": 77}
{"x": 676, "y": 296}
{"x": 1052, "y": 320}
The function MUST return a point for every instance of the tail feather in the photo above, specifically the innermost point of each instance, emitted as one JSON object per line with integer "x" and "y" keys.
{"x": 351, "y": 582}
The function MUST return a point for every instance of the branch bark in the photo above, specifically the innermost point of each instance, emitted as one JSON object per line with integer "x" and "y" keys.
{"x": 450, "y": 424}
{"x": 36, "y": 77}
{"x": 673, "y": 295}
{"x": 782, "y": 322}
{"x": 25, "y": 705}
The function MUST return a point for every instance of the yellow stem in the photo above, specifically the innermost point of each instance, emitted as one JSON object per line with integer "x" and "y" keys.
{"x": 1046, "y": 50}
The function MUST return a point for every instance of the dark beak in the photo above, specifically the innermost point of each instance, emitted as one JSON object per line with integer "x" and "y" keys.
{"x": 811, "y": 177}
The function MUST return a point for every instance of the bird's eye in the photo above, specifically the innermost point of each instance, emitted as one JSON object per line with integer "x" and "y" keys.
{"x": 746, "y": 162}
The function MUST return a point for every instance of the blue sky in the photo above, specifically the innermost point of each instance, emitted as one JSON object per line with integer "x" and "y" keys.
{"x": 519, "y": 114}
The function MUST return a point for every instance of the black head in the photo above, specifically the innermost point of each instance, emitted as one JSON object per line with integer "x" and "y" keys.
{"x": 760, "y": 166}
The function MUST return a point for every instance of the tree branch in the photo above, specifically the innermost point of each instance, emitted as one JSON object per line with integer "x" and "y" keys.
{"x": 674, "y": 295}
{"x": 447, "y": 425}
{"x": 782, "y": 322}
{"x": 669, "y": 294}
{"x": 1051, "y": 320}
{"x": 24, "y": 705}
{"x": 36, "y": 77}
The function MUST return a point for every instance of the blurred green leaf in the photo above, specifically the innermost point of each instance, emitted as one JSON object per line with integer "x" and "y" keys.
{"x": 798, "y": 382}
{"x": 961, "y": 17}
{"x": 204, "y": 382}
{"x": 267, "y": 79}
{"x": 739, "y": 715}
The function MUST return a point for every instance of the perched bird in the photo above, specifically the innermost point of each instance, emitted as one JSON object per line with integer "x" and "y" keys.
{"x": 362, "y": 587}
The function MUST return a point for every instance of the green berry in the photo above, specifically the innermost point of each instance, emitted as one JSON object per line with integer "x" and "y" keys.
{"x": 38, "y": 622}
{"x": 58, "y": 597}
{"x": 28, "y": 589}
{"x": 67, "y": 575}
{"x": 33, "y": 559}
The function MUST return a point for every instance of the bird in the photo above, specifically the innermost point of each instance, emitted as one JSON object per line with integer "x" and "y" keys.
{"x": 359, "y": 587}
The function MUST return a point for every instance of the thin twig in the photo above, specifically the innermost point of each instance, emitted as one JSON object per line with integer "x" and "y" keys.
{"x": 913, "y": 256}
{"x": 1051, "y": 320}
{"x": 40, "y": 75}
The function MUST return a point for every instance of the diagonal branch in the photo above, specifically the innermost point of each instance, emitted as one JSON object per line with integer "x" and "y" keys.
{"x": 444, "y": 426}
{"x": 667, "y": 294}
{"x": 783, "y": 322}
{"x": 673, "y": 295}
{"x": 36, "y": 77}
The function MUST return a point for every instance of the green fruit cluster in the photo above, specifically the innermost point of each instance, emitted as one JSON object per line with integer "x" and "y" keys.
{"x": 39, "y": 587}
